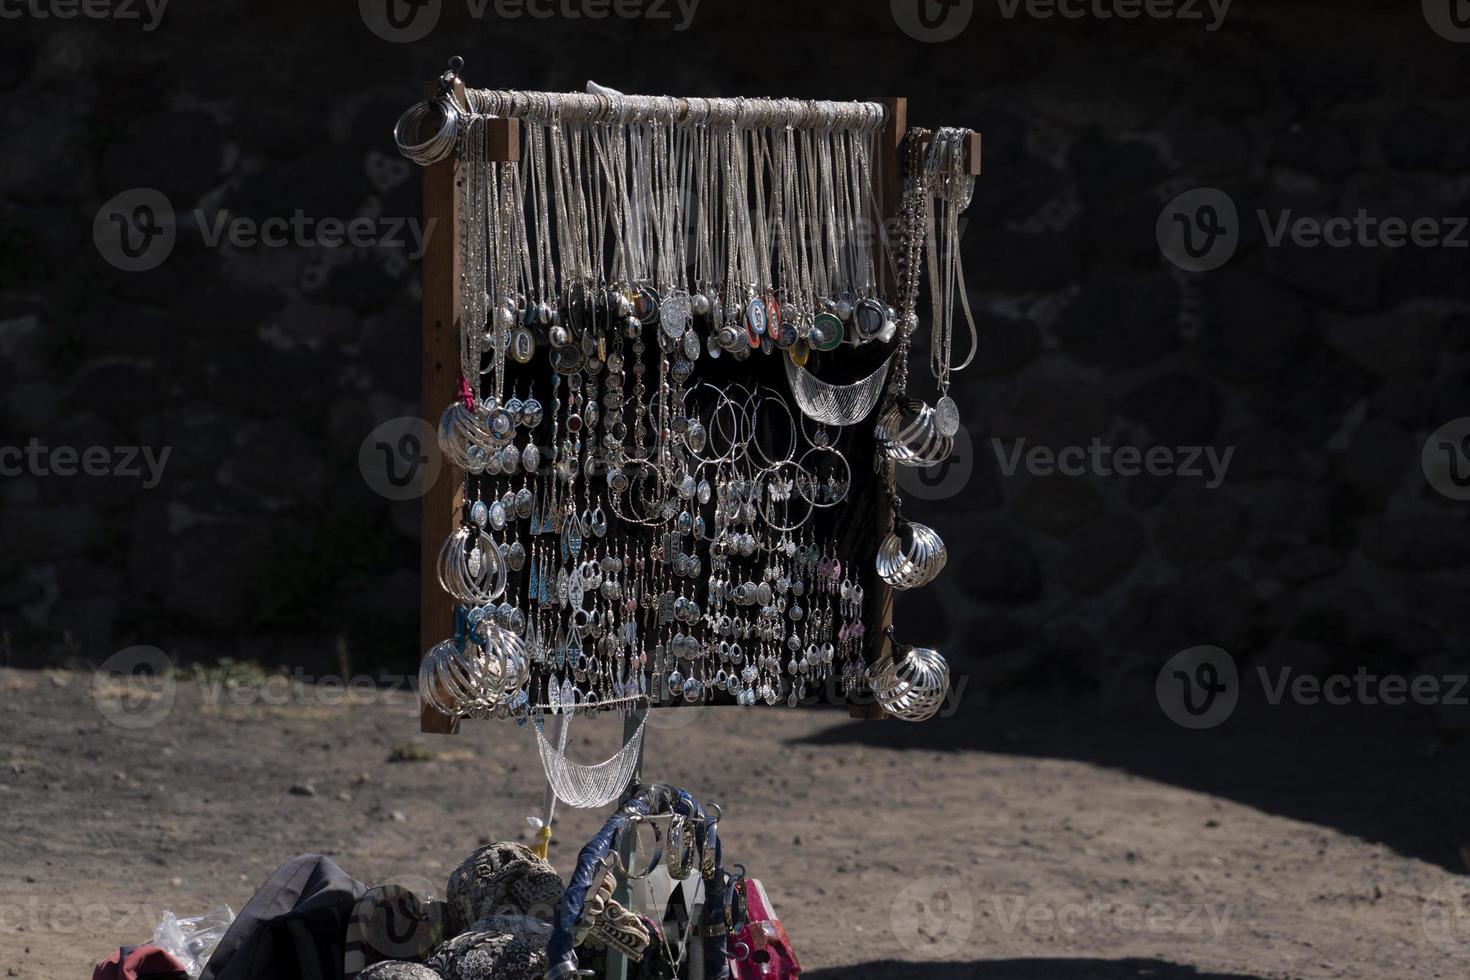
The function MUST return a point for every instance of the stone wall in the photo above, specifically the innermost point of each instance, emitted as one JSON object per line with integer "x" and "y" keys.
{"x": 1321, "y": 370}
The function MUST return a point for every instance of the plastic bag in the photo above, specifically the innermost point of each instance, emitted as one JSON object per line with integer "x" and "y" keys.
{"x": 192, "y": 939}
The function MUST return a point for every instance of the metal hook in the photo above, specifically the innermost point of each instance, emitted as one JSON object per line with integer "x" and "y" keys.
{"x": 447, "y": 80}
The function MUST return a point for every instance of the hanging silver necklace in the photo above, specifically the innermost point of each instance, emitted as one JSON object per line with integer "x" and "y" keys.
{"x": 836, "y": 404}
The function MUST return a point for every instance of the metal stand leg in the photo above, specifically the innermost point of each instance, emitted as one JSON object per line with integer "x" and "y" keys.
{"x": 617, "y": 963}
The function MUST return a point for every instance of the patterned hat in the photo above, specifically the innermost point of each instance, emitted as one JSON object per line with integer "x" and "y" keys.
{"x": 506, "y": 879}
{"x": 398, "y": 970}
{"x": 495, "y": 948}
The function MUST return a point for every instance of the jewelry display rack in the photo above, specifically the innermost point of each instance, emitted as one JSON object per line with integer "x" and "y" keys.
{"x": 441, "y": 324}
{"x": 907, "y": 682}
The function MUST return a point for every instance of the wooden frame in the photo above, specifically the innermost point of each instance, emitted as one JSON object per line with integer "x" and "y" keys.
{"x": 439, "y": 379}
{"x": 440, "y": 331}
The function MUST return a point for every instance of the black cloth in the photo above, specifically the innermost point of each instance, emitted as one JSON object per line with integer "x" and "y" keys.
{"x": 294, "y": 928}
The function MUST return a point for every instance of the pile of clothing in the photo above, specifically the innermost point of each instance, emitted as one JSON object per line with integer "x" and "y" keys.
{"x": 505, "y": 915}
{"x": 312, "y": 921}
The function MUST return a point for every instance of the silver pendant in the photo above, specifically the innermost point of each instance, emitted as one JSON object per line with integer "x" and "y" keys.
{"x": 523, "y": 345}
{"x": 755, "y": 317}
{"x": 646, "y": 307}
{"x": 868, "y": 317}
{"x": 674, "y": 315}
{"x": 946, "y": 417}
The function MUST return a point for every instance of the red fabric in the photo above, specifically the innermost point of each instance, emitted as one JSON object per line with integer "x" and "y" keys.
{"x": 139, "y": 963}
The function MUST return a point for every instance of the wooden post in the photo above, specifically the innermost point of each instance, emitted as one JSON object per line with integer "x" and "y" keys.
{"x": 972, "y": 151}
{"x": 439, "y": 381}
{"x": 890, "y": 185}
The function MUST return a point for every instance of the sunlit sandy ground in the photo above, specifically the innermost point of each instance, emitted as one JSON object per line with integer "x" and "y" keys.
{"x": 1011, "y": 841}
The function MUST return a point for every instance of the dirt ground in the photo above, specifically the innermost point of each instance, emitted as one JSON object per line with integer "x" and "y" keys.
{"x": 1015, "y": 841}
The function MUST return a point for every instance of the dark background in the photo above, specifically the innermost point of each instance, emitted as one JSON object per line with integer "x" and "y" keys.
{"x": 264, "y": 369}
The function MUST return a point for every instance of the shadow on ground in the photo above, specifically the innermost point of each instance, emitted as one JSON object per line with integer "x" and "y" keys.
{"x": 1038, "y": 969}
{"x": 1378, "y": 778}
